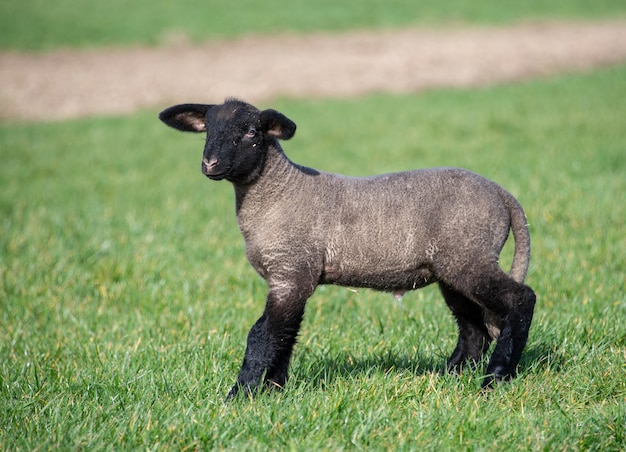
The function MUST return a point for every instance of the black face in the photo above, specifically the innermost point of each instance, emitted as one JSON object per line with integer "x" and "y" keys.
{"x": 234, "y": 148}
{"x": 238, "y": 136}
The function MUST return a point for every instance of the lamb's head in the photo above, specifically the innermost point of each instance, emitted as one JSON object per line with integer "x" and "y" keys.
{"x": 238, "y": 136}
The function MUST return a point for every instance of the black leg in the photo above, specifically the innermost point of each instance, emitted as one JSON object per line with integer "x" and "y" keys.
{"x": 270, "y": 343}
{"x": 520, "y": 300}
{"x": 488, "y": 304}
{"x": 474, "y": 337}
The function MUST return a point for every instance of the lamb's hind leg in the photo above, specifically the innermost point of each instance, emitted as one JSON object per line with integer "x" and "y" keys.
{"x": 474, "y": 337}
{"x": 513, "y": 303}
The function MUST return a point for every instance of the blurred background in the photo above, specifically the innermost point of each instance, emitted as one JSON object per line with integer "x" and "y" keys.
{"x": 125, "y": 294}
{"x": 76, "y": 58}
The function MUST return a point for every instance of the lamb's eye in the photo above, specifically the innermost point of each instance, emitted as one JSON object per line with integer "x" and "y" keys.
{"x": 251, "y": 132}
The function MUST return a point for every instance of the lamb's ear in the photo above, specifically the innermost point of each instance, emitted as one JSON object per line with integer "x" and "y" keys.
{"x": 277, "y": 125}
{"x": 186, "y": 117}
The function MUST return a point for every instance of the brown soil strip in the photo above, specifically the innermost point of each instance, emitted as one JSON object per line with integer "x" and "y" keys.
{"x": 75, "y": 83}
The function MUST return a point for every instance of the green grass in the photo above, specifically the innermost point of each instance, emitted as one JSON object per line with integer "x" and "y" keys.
{"x": 42, "y": 25}
{"x": 125, "y": 297}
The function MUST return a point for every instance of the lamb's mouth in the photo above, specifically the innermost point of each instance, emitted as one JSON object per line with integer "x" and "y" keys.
{"x": 219, "y": 176}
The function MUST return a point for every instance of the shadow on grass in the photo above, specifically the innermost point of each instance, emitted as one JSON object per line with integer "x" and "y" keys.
{"x": 323, "y": 371}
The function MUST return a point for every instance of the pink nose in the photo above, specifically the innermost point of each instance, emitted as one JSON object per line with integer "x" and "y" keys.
{"x": 208, "y": 165}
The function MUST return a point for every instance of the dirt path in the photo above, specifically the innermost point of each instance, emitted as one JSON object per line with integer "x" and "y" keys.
{"x": 70, "y": 83}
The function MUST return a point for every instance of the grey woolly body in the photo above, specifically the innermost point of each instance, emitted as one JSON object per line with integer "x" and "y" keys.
{"x": 386, "y": 232}
{"x": 393, "y": 232}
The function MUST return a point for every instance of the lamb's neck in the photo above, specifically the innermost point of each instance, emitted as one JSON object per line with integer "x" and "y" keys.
{"x": 277, "y": 178}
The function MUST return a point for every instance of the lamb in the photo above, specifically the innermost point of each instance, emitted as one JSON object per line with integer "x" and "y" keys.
{"x": 392, "y": 232}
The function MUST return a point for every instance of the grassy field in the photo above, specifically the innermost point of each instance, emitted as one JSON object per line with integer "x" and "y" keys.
{"x": 125, "y": 297}
{"x": 42, "y": 25}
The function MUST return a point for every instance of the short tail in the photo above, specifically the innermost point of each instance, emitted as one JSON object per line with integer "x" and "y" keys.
{"x": 521, "y": 234}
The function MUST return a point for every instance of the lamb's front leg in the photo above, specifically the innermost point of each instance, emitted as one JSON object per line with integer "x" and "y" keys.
{"x": 271, "y": 340}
